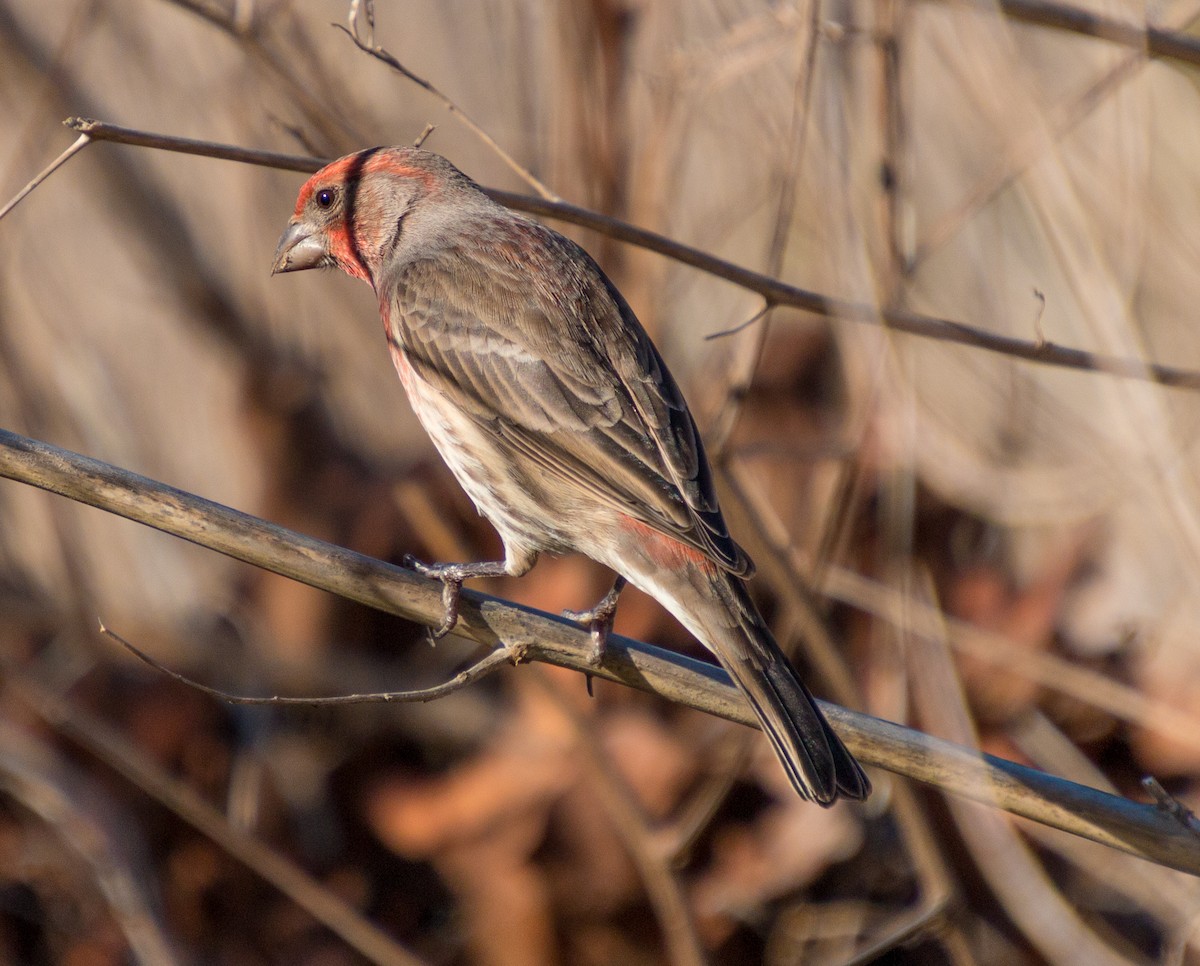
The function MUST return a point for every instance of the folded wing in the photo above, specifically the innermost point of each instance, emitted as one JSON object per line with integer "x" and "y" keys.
{"x": 565, "y": 377}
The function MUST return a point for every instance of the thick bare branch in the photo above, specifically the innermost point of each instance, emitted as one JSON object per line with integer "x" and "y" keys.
{"x": 1142, "y": 830}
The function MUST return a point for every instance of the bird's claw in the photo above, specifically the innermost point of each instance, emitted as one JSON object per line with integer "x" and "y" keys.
{"x": 599, "y": 627}
{"x": 451, "y": 591}
{"x": 599, "y": 621}
{"x": 451, "y": 576}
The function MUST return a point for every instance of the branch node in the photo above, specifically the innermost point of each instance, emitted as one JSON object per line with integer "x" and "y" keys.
{"x": 1172, "y": 806}
{"x": 1039, "y": 335}
{"x": 516, "y": 651}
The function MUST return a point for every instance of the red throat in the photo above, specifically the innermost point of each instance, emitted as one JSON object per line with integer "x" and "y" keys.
{"x": 345, "y": 252}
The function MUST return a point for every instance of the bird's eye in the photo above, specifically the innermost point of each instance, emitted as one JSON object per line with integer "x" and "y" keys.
{"x": 325, "y": 198}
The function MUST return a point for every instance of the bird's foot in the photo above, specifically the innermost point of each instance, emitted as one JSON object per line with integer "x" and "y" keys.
{"x": 599, "y": 621}
{"x": 452, "y": 576}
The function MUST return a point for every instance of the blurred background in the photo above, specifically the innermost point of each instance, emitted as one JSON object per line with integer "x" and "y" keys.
{"x": 1002, "y": 554}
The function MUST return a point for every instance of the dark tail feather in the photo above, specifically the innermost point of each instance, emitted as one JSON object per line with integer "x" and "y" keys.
{"x": 816, "y": 761}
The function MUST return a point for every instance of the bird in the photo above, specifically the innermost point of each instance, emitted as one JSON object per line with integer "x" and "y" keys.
{"x": 557, "y": 415}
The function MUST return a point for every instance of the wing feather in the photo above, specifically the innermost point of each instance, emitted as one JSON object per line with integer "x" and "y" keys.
{"x": 563, "y": 373}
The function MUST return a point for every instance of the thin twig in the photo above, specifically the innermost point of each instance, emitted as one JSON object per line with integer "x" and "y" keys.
{"x": 1166, "y": 895}
{"x": 1154, "y": 41}
{"x": 773, "y": 290}
{"x": 369, "y": 46}
{"x": 335, "y": 126}
{"x": 741, "y": 326}
{"x": 421, "y": 138}
{"x": 368, "y": 10}
{"x": 100, "y": 131}
{"x": 1039, "y": 332}
{"x": 1021, "y": 153}
{"x": 81, "y": 142}
{"x": 492, "y": 661}
{"x": 1139, "y": 829}
{"x": 1005, "y": 860}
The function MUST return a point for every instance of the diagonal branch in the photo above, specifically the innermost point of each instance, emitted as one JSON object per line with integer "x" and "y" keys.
{"x": 775, "y": 292}
{"x": 1141, "y": 830}
{"x": 80, "y": 143}
{"x": 1155, "y": 41}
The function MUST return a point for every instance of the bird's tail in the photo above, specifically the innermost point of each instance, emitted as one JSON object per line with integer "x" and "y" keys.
{"x": 730, "y": 625}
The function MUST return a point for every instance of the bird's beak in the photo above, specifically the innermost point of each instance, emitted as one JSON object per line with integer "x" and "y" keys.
{"x": 300, "y": 247}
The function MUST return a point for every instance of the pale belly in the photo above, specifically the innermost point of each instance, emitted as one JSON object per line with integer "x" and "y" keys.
{"x": 505, "y": 494}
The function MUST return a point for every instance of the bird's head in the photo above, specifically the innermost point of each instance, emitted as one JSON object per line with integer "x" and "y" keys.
{"x": 356, "y": 213}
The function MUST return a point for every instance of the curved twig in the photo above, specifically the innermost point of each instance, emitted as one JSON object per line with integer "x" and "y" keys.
{"x": 490, "y": 662}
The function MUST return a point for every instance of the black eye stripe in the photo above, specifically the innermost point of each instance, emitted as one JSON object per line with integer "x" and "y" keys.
{"x": 352, "y": 177}
{"x": 396, "y": 233}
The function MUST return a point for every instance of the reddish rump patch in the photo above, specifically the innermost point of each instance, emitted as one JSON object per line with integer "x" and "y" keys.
{"x": 666, "y": 552}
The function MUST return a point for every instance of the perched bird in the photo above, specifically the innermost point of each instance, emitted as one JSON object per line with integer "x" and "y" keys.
{"x": 555, "y": 412}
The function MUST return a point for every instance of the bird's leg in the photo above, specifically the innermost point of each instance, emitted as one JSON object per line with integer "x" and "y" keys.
{"x": 452, "y": 576}
{"x": 599, "y": 620}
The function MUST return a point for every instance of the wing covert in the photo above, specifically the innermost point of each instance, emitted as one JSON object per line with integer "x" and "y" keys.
{"x": 565, "y": 376}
